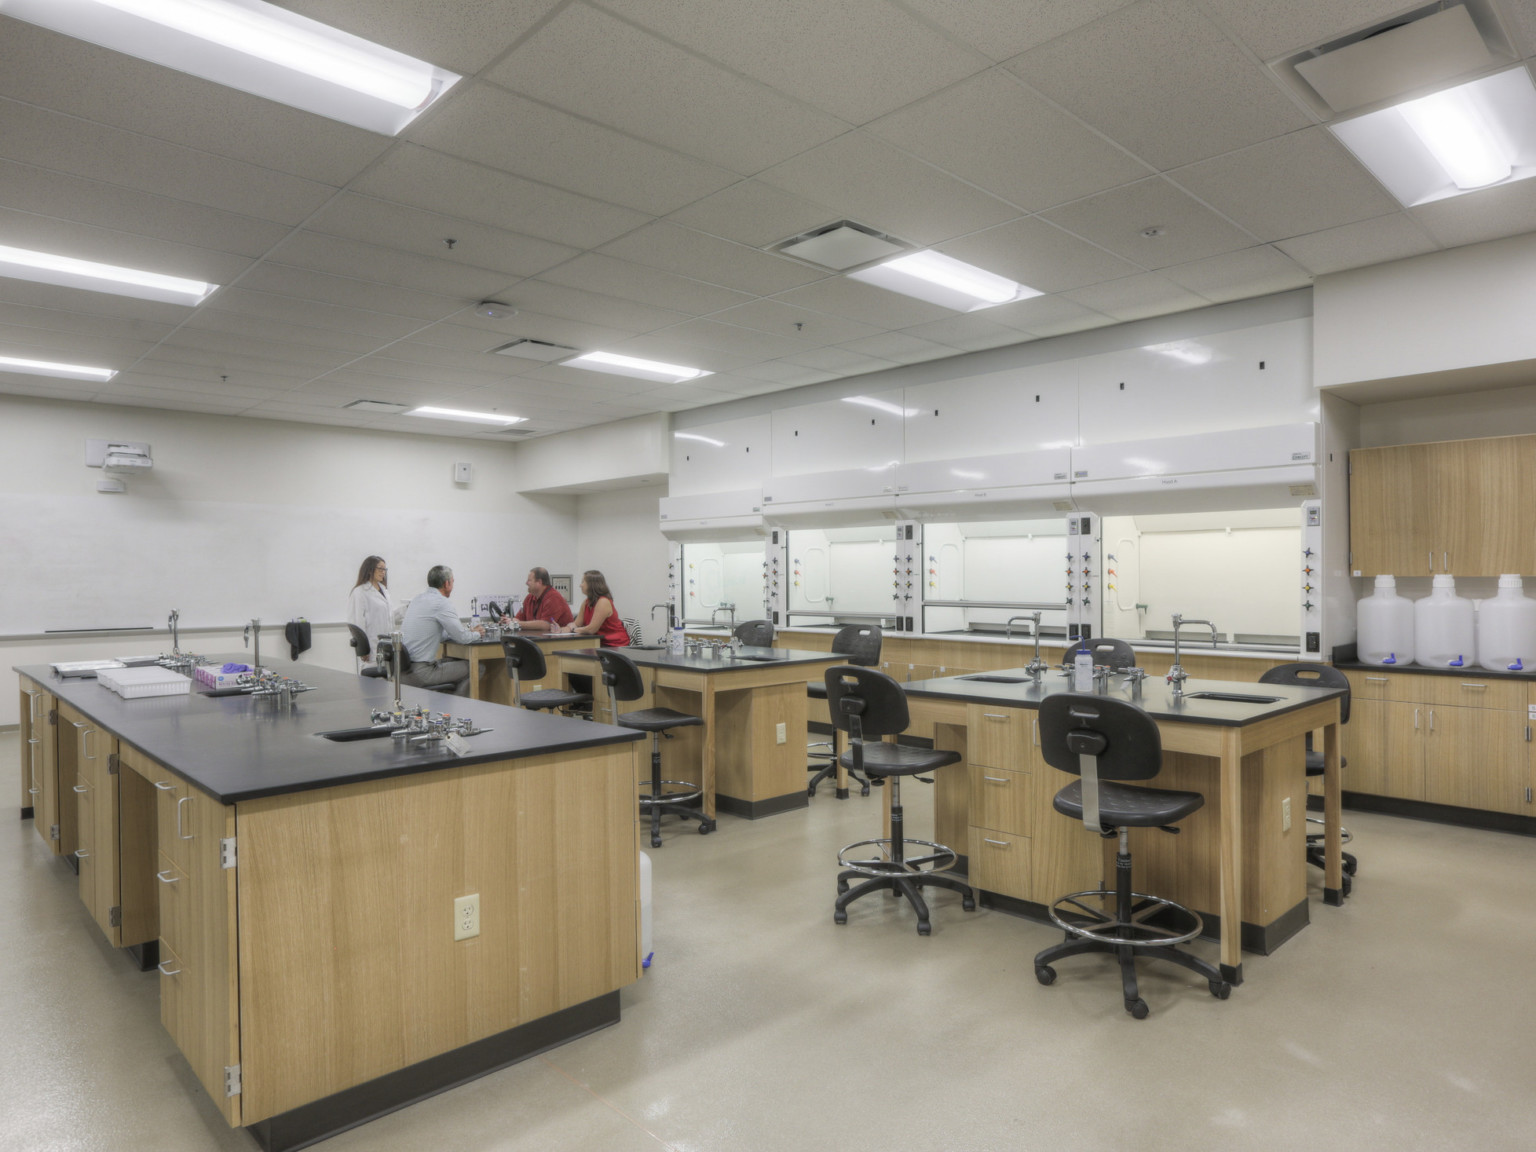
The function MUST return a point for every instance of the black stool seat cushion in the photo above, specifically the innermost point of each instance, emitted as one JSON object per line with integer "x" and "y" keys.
{"x": 1125, "y": 805}
{"x": 656, "y": 719}
{"x": 374, "y": 670}
{"x": 881, "y": 759}
{"x": 1315, "y": 765}
{"x": 816, "y": 689}
{"x": 554, "y": 698}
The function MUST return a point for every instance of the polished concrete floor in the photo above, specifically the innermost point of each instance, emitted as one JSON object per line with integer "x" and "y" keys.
{"x": 1405, "y": 1020}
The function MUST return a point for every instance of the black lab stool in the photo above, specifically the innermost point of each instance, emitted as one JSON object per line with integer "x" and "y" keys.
{"x": 525, "y": 658}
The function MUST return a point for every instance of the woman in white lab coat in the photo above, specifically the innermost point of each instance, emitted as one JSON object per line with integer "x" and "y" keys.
{"x": 368, "y": 607}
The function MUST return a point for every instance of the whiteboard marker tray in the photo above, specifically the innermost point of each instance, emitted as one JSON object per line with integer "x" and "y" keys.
{"x": 134, "y": 683}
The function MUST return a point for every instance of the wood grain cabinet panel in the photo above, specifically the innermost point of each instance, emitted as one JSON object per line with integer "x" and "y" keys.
{"x": 1000, "y": 737}
{"x": 1363, "y": 745}
{"x": 999, "y": 862}
{"x": 1390, "y": 494}
{"x": 1476, "y": 758}
{"x": 1001, "y": 799}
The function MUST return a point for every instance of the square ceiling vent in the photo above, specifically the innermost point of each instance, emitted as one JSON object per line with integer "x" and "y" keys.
{"x": 535, "y": 350}
{"x": 382, "y": 407}
{"x": 841, "y": 246}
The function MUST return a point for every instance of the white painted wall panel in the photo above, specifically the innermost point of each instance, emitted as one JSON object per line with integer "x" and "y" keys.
{"x": 1021, "y": 410}
{"x": 743, "y": 458}
{"x": 837, "y": 435}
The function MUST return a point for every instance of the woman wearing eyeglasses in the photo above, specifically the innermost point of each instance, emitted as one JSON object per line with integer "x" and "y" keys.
{"x": 368, "y": 607}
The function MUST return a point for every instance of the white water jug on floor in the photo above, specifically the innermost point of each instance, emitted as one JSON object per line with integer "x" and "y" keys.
{"x": 1385, "y": 625}
{"x": 1444, "y": 634}
{"x": 1506, "y": 629}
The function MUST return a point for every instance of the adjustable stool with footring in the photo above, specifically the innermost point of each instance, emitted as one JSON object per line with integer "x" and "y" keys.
{"x": 525, "y": 657}
{"x": 861, "y": 644}
{"x": 361, "y": 646}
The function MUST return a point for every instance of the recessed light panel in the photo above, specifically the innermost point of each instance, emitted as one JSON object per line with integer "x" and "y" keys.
{"x": 1452, "y": 142}
{"x": 535, "y": 350}
{"x": 459, "y": 414}
{"x": 49, "y": 368}
{"x": 381, "y": 407}
{"x": 67, "y": 272}
{"x": 634, "y": 366}
{"x": 258, "y": 48}
{"x": 841, "y": 246}
{"x": 945, "y": 281}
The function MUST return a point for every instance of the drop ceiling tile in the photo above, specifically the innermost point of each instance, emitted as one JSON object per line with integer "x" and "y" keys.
{"x": 900, "y": 348}
{"x": 598, "y": 273}
{"x": 407, "y": 361}
{"x": 591, "y": 307}
{"x": 49, "y": 234}
{"x": 153, "y": 398}
{"x": 303, "y": 284}
{"x": 869, "y": 180}
{"x": 281, "y": 332}
{"x": 993, "y": 132}
{"x": 970, "y": 333}
{"x": 1356, "y": 245}
{"x": 1272, "y": 30}
{"x": 1238, "y": 275}
{"x": 864, "y": 303}
{"x": 84, "y": 303}
{"x": 76, "y": 323}
{"x": 201, "y": 372}
{"x": 1520, "y": 20}
{"x": 71, "y": 347}
{"x": 1161, "y": 80}
{"x": 1039, "y": 254}
{"x": 670, "y": 349}
{"x": 1115, "y": 220}
{"x": 91, "y": 202}
{"x": 287, "y": 310}
{"x": 1003, "y": 28}
{"x": 784, "y": 374}
{"x": 1289, "y": 186}
{"x": 594, "y": 65}
{"x": 252, "y": 350}
{"x": 1487, "y": 214}
{"x": 708, "y": 258}
{"x": 425, "y": 179}
{"x": 1047, "y": 316}
{"x": 426, "y": 234}
{"x": 18, "y": 384}
{"x": 681, "y": 397}
{"x": 746, "y": 342}
{"x": 341, "y": 257}
{"x": 575, "y": 386}
{"x": 739, "y": 386}
{"x": 1136, "y": 297}
{"x": 83, "y": 80}
{"x": 466, "y": 331}
{"x": 754, "y": 213}
{"x": 781, "y": 319}
{"x": 32, "y": 135}
{"x": 462, "y": 35}
{"x": 856, "y": 59}
{"x": 842, "y": 361}
{"x": 501, "y": 129}
{"x": 172, "y": 386}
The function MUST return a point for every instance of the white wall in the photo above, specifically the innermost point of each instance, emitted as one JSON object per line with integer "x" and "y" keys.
{"x": 616, "y": 533}
{"x": 1466, "y": 416}
{"x": 599, "y": 455}
{"x": 241, "y": 518}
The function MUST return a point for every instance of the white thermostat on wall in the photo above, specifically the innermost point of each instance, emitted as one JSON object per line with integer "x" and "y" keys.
{"x": 463, "y": 472}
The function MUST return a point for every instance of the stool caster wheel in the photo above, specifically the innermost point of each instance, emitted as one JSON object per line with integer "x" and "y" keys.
{"x": 924, "y": 928}
{"x": 1137, "y": 1008}
{"x": 1350, "y": 864}
{"x": 811, "y": 791}
{"x": 655, "y": 841}
{"x": 706, "y": 827}
{"x": 1220, "y": 989}
{"x": 1045, "y": 974}
{"x": 842, "y": 887}
{"x": 839, "y": 917}
{"x": 1347, "y": 885}
{"x": 968, "y": 904}
{"x": 864, "y": 791}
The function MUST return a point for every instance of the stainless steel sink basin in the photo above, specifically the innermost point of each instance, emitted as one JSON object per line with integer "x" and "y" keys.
{"x": 1232, "y": 697}
{"x": 997, "y": 679}
{"x": 346, "y": 735}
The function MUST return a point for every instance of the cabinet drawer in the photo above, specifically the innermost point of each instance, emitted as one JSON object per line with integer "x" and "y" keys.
{"x": 999, "y": 737}
{"x": 178, "y": 996}
{"x": 999, "y": 862}
{"x": 1000, "y": 799}
{"x": 174, "y": 888}
{"x": 1472, "y": 692}
{"x": 1373, "y": 685}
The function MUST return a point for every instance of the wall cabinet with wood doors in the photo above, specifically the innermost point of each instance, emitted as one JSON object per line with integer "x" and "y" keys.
{"x": 1458, "y": 507}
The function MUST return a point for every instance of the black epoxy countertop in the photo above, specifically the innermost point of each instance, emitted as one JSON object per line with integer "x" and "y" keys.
{"x": 1471, "y": 672}
{"x": 240, "y": 748}
{"x": 724, "y": 662}
{"x": 1155, "y": 696}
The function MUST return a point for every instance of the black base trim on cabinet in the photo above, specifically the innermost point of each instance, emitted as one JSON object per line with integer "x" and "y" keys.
{"x": 1260, "y": 939}
{"x": 1435, "y": 813}
{"x": 26, "y": 813}
{"x": 757, "y": 809}
{"x": 311, "y": 1123}
{"x": 145, "y": 955}
{"x": 73, "y": 861}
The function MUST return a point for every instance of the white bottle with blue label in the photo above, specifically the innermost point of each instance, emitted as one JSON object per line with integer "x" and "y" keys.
{"x": 1082, "y": 672}
{"x": 678, "y": 640}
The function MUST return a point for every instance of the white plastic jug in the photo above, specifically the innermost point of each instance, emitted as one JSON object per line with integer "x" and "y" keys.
{"x": 1506, "y": 629}
{"x": 1385, "y": 625}
{"x": 1443, "y": 627}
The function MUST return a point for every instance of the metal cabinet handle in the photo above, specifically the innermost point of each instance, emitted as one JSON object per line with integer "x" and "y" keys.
{"x": 999, "y": 843}
{"x": 994, "y": 715}
{"x": 997, "y": 779}
{"x": 1415, "y": 719}
{"x": 180, "y": 834}
{"x": 81, "y": 853}
{"x": 164, "y": 971}
{"x": 166, "y": 877}
{"x": 1431, "y": 719}
{"x": 1474, "y": 685}
{"x": 1379, "y": 679}
{"x": 1431, "y": 560}
{"x": 1445, "y": 561}
{"x": 164, "y": 787}
{"x": 81, "y": 788}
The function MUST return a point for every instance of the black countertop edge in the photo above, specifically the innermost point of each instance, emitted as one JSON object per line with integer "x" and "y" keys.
{"x": 662, "y": 658}
{"x": 1155, "y": 698}
{"x": 1472, "y": 673}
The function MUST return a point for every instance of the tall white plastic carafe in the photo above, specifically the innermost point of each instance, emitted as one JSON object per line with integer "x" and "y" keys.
{"x": 1443, "y": 627}
{"x": 1506, "y": 629}
{"x": 1385, "y": 625}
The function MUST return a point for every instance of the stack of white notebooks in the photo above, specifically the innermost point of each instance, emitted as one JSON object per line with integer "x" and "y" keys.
{"x": 132, "y": 683}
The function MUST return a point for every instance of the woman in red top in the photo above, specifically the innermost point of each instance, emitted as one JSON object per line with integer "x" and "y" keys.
{"x": 597, "y": 616}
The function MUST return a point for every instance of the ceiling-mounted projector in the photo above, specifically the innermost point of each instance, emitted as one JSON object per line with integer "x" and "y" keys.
{"x": 127, "y": 460}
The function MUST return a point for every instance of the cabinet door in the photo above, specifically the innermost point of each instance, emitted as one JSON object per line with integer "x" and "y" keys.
{"x": 1390, "y": 501}
{"x": 1475, "y": 758}
{"x": 1482, "y": 505}
{"x": 1405, "y": 728}
{"x": 95, "y": 789}
{"x": 1363, "y": 745}
{"x": 40, "y": 765}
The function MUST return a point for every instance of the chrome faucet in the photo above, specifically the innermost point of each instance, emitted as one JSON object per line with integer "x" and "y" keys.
{"x": 1008, "y": 625}
{"x": 396, "y": 645}
{"x": 174, "y": 622}
{"x": 714, "y": 613}
{"x": 254, "y": 627}
{"x": 1176, "y": 674}
{"x": 1036, "y": 666}
{"x": 671, "y": 615}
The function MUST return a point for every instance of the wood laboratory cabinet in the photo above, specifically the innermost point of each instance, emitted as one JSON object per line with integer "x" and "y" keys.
{"x": 1458, "y": 507}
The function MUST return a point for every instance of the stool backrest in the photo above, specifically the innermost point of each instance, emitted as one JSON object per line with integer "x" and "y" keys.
{"x": 755, "y": 633}
{"x": 859, "y": 642}
{"x": 387, "y": 655}
{"x": 620, "y": 674}
{"x": 1311, "y": 676}
{"x": 1106, "y": 651}
{"x": 359, "y": 641}
{"x": 1098, "y": 738}
{"x": 865, "y": 703}
{"x": 524, "y": 657}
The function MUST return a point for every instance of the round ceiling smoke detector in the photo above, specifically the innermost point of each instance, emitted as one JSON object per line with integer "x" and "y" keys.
{"x": 1153, "y": 233}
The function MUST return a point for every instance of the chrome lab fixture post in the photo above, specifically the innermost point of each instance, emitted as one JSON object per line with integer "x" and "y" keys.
{"x": 174, "y": 622}
{"x": 1176, "y": 674}
{"x": 253, "y": 630}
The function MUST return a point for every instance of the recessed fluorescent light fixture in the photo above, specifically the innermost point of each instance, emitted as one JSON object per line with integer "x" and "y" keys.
{"x": 258, "y": 48}
{"x": 67, "y": 272}
{"x": 466, "y": 417}
{"x": 880, "y": 405}
{"x": 943, "y": 280}
{"x": 631, "y": 366}
{"x": 48, "y": 368}
{"x": 701, "y": 438}
{"x": 1451, "y": 142}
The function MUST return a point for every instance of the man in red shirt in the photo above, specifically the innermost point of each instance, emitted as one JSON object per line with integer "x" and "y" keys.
{"x": 543, "y": 608}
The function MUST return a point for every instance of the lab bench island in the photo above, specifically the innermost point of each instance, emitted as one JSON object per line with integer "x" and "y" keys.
{"x": 344, "y": 926}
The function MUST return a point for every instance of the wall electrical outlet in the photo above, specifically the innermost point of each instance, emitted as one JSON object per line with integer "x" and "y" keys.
{"x": 780, "y": 733}
{"x": 466, "y": 914}
{"x": 1285, "y": 814}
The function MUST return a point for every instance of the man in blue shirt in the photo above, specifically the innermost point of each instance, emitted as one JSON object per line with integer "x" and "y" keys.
{"x": 429, "y": 620}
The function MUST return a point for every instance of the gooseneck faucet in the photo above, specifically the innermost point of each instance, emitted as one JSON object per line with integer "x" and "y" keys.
{"x": 715, "y": 613}
{"x": 1176, "y": 674}
{"x": 254, "y": 627}
{"x": 175, "y": 622}
{"x": 671, "y": 615}
{"x": 1036, "y": 667}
